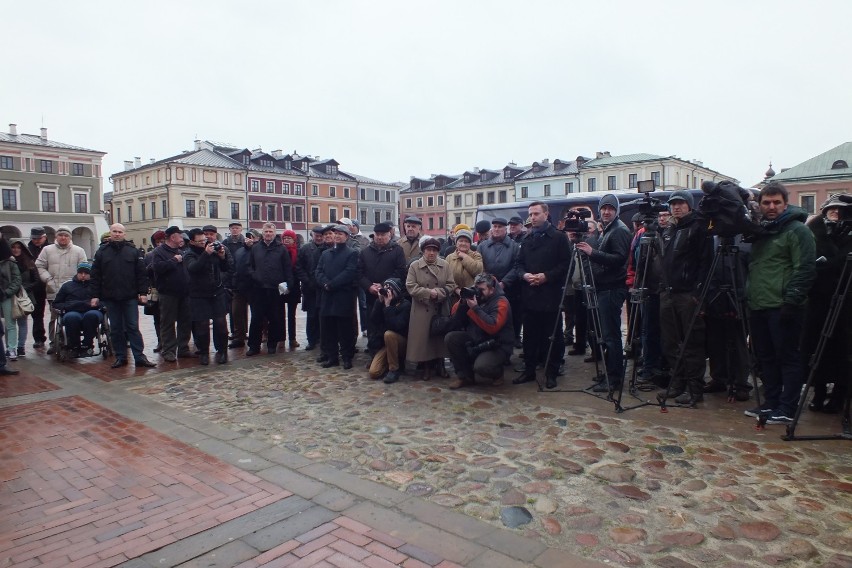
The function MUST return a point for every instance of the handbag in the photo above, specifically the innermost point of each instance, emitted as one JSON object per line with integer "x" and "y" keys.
{"x": 441, "y": 325}
{"x": 21, "y": 304}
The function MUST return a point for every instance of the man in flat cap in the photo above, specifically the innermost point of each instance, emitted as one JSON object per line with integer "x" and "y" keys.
{"x": 306, "y": 265}
{"x": 410, "y": 241}
{"x": 173, "y": 287}
{"x": 57, "y": 264}
{"x": 336, "y": 275}
{"x": 499, "y": 256}
{"x": 38, "y": 240}
{"x": 381, "y": 260}
{"x": 516, "y": 229}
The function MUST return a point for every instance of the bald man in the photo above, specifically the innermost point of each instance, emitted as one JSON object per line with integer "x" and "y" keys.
{"x": 120, "y": 281}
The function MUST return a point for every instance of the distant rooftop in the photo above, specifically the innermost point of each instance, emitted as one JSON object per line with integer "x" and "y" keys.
{"x": 39, "y": 140}
{"x": 828, "y": 165}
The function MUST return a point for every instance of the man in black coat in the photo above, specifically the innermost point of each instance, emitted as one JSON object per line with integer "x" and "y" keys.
{"x": 270, "y": 267}
{"x": 120, "y": 280}
{"x": 381, "y": 260}
{"x": 38, "y": 240}
{"x": 173, "y": 286}
{"x": 306, "y": 265}
{"x": 209, "y": 266}
{"x": 337, "y": 274}
{"x": 238, "y": 309}
{"x": 74, "y": 300}
{"x": 542, "y": 266}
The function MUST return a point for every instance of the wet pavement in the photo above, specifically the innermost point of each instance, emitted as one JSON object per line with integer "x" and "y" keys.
{"x": 273, "y": 461}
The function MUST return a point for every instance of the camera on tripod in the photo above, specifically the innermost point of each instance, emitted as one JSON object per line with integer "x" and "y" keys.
{"x": 724, "y": 205}
{"x": 475, "y": 349}
{"x": 575, "y": 221}
{"x": 649, "y": 206}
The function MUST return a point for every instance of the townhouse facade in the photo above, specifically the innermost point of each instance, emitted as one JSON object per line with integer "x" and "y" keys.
{"x": 425, "y": 198}
{"x": 49, "y": 183}
{"x": 607, "y": 173}
{"x": 548, "y": 180}
{"x": 479, "y": 187}
{"x": 811, "y": 182}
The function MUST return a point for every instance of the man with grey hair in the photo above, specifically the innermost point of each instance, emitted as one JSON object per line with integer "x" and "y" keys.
{"x": 57, "y": 264}
{"x": 271, "y": 267}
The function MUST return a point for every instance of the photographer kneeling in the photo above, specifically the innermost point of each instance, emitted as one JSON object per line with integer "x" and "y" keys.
{"x": 390, "y": 314}
{"x": 488, "y": 337}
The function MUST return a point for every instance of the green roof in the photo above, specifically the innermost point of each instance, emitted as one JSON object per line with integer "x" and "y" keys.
{"x": 626, "y": 159}
{"x": 820, "y": 167}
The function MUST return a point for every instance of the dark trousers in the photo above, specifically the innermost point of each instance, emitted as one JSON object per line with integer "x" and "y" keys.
{"x": 239, "y": 315}
{"x": 291, "y": 320}
{"x": 652, "y": 349}
{"x": 174, "y": 313}
{"x": 609, "y": 309}
{"x": 375, "y": 333}
{"x": 776, "y": 344}
{"x": 124, "y": 327}
{"x": 39, "y": 334}
{"x": 339, "y": 335}
{"x": 676, "y": 312}
{"x": 267, "y": 307}
{"x": 362, "y": 308}
{"x": 312, "y": 325}
{"x": 489, "y": 364}
{"x": 579, "y": 319}
{"x": 537, "y": 329}
{"x": 727, "y": 352}
{"x": 87, "y": 323}
{"x": 516, "y": 305}
{"x": 201, "y": 334}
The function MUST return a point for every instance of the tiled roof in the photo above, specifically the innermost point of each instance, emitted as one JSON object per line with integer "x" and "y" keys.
{"x": 365, "y": 179}
{"x": 34, "y": 140}
{"x": 551, "y": 169}
{"x": 626, "y": 159}
{"x": 819, "y": 167}
{"x": 207, "y": 158}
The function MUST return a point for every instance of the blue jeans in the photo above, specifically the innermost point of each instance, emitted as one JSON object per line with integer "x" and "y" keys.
{"x": 88, "y": 323}
{"x": 610, "y": 303}
{"x": 776, "y": 344}
{"x": 124, "y": 326}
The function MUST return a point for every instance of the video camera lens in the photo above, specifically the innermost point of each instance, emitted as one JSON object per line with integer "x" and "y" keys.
{"x": 468, "y": 293}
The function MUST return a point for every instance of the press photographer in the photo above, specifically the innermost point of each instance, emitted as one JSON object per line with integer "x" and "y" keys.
{"x": 389, "y": 317}
{"x": 485, "y": 344}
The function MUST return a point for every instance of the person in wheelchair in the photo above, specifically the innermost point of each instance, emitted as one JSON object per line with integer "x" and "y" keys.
{"x": 74, "y": 301}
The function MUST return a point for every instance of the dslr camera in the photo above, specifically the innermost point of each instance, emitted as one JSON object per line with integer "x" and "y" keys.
{"x": 384, "y": 292}
{"x": 470, "y": 292}
{"x": 575, "y": 221}
{"x": 217, "y": 246}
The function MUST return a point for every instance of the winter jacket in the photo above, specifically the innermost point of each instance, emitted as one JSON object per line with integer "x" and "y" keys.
{"x": 233, "y": 244}
{"x": 490, "y": 320}
{"x": 609, "y": 259}
{"x": 38, "y": 290}
{"x": 74, "y": 296}
{"x": 118, "y": 272}
{"x": 336, "y": 275}
{"x": 499, "y": 258}
{"x": 10, "y": 278}
{"x": 687, "y": 254}
{"x": 305, "y": 271}
{"x": 171, "y": 276}
{"x": 783, "y": 262}
{"x": 242, "y": 281}
{"x": 270, "y": 264}
{"x": 411, "y": 249}
{"x": 29, "y": 278}
{"x": 207, "y": 272}
{"x": 57, "y": 265}
{"x": 549, "y": 252}
{"x": 464, "y": 270}
{"x": 378, "y": 264}
{"x": 392, "y": 318}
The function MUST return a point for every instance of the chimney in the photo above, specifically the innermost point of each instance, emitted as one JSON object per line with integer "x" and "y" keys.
{"x": 44, "y": 133}
{"x": 13, "y": 129}
{"x": 476, "y": 170}
{"x": 197, "y": 144}
{"x": 152, "y": 161}
{"x": 128, "y": 165}
{"x": 545, "y": 161}
{"x": 277, "y": 154}
{"x": 137, "y": 162}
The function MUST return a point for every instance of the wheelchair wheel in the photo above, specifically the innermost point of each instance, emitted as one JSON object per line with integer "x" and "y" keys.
{"x": 60, "y": 342}
{"x": 105, "y": 338}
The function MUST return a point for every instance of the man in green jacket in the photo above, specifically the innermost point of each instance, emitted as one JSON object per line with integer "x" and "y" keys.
{"x": 781, "y": 271}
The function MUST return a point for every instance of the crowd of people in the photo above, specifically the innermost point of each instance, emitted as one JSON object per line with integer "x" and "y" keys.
{"x": 471, "y": 299}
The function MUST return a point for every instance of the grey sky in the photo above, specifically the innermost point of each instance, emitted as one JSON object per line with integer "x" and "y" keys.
{"x": 397, "y": 88}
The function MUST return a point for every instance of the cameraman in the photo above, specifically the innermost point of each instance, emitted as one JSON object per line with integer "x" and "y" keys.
{"x": 488, "y": 337}
{"x": 209, "y": 265}
{"x": 609, "y": 267}
{"x": 390, "y": 315}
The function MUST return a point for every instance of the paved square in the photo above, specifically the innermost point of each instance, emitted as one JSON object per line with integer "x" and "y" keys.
{"x": 25, "y": 383}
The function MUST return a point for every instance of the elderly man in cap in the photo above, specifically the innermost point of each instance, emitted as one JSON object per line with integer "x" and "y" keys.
{"x": 158, "y": 238}
{"x": 38, "y": 240}
{"x": 381, "y": 260}
{"x": 74, "y": 300}
{"x": 336, "y": 275}
{"x": 173, "y": 286}
{"x": 57, "y": 264}
{"x": 270, "y": 265}
{"x": 306, "y": 265}
{"x": 238, "y": 310}
{"x": 517, "y": 232}
{"x": 410, "y": 241}
{"x": 499, "y": 256}
{"x": 120, "y": 279}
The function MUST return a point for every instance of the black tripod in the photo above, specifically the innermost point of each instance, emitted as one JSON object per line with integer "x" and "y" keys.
{"x": 834, "y": 311}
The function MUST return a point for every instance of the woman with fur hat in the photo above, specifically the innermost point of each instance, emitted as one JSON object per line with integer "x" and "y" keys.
{"x": 464, "y": 263}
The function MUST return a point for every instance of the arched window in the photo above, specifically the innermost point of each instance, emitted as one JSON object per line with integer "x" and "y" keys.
{"x": 839, "y": 165}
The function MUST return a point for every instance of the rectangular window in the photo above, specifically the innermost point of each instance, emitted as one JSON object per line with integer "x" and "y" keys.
{"x": 297, "y": 189}
{"x": 656, "y": 177}
{"x": 490, "y": 197}
{"x": 376, "y": 195}
{"x": 118, "y": 214}
{"x": 480, "y": 198}
{"x": 142, "y": 207}
{"x": 440, "y": 222}
{"x": 592, "y": 183}
{"x": 457, "y": 201}
{"x": 387, "y": 196}
{"x": 129, "y": 213}
{"x": 213, "y": 208}
{"x": 419, "y": 202}
{"x": 502, "y": 196}
{"x": 363, "y": 216}
{"x": 270, "y": 187}
{"x": 235, "y": 210}
{"x": 77, "y": 169}
{"x": 347, "y": 213}
{"x": 299, "y": 217}
{"x": 6, "y": 163}
{"x": 525, "y": 192}
{"x": 569, "y": 187}
{"x": 190, "y": 208}
{"x": 270, "y": 212}
{"x": 45, "y": 166}
{"x": 387, "y": 215}
{"x": 255, "y": 185}
{"x": 332, "y": 191}
{"x": 458, "y": 219}
{"x": 285, "y": 213}
{"x": 807, "y": 202}
{"x": 285, "y": 188}
{"x": 314, "y": 214}
{"x": 440, "y": 200}
{"x": 346, "y": 193}
{"x": 610, "y": 183}
{"x": 255, "y": 211}
{"x": 633, "y": 181}
{"x": 153, "y": 210}
{"x": 165, "y": 209}
{"x": 431, "y": 223}
{"x": 377, "y": 217}
{"x": 547, "y": 190}
{"x": 363, "y": 194}
{"x": 48, "y": 201}
{"x": 332, "y": 214}
{"x": 430, "y": 201}
{"x": 314, "y": 190}
{"x": 10, "y": 199}
{"x": 408, "y": 203}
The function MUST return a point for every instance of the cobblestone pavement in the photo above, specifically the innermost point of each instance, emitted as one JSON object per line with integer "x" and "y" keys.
{"x": 626, "y": 491}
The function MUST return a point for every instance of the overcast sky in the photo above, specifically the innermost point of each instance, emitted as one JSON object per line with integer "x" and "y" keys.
{"x": 397, "y": 88}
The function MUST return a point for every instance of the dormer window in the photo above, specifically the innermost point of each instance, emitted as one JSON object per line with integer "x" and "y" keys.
{"x": 288, "y": 164}
{"x": 266, "y": 163}
{"x": 468, "y": 178}
{"x": 507, "y": 173}
{"x": 483, "y": 177}
{"x": 245, "y": 160}
{"x": 839, "y": 165}
{"x": 331, "y": 170}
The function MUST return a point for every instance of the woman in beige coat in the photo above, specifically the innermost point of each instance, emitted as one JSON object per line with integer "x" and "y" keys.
{"x": 429, "y": 283}
{"x": 464, "y": 263}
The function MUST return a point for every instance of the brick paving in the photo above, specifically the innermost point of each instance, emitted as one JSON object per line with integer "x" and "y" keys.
{"x": 22, "y": 384}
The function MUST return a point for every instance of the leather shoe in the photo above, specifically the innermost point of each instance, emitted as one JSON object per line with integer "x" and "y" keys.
{"x": 330, "y": 363}
{"x": 144, "y": 362}
{"x": 551, "y": 383}
{"x": 310, "y": 347}
{"x": 523, "y": 378}
{"x": 271, "y": 350}
{"x": 391, "y": 377}
{"x": 603, "y": 387}
{"x": 5, "y": 372}
{"x": 576, "y": 351}
{"x": 186, "y": 355}
{"x": 204, "y": 359}
{"x": 590, "y": 359}
{"x": 119, "y": 363}
{"x": 170, "y": 357}
{"x": 221, "y": 357}
{"x": 236, "y": 343}
{"x": 322, "y": 358}
{"x": 252, "y": 352}
{"x": 347, "y": 363}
